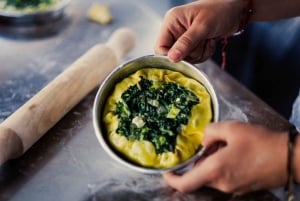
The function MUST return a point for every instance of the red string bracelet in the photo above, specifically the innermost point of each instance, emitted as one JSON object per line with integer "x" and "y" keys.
{"x": 225, "y": 43}
{"x": 246, "y": 14}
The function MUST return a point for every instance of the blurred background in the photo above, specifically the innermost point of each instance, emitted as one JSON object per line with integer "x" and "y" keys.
{"x": 266, "y": 59}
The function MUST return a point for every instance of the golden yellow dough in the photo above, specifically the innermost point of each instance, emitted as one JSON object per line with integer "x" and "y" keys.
{"x": 187, "y": 142}
{"x": 100, "y": 13}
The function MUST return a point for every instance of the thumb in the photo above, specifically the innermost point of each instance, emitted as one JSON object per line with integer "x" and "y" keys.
{"x": 213, "y": 134}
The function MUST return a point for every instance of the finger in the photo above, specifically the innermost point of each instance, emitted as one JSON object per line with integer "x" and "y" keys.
{"x": 213, "y": 134}
{"x": 196, "y": 54}
{"x": 204, "y": 173}
{"x": 170, "y": 31}
{"x": 187, "y": 182}
{"x": 186, "y": 43}
{"x": 164, "y": 42}
{"x": 202, "y": 52}
{"x": 208, "y": 50}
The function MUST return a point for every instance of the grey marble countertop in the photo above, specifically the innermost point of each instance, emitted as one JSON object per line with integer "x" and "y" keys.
{"x": 67, "y": 163}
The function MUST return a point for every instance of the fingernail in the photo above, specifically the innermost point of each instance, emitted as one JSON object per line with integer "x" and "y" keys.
{"x": 175, "y": 55}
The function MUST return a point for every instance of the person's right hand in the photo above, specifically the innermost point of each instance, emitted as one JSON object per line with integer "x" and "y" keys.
{"x": 252, "y": 158}
{"x": 190, "y": 31}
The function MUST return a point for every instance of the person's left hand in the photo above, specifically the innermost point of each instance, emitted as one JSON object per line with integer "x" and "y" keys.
{"x": 190, "y": 31}
{"x": 252, "y": 158}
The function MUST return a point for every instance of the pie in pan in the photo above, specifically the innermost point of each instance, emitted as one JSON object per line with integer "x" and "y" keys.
{"x": 156, "y": 117}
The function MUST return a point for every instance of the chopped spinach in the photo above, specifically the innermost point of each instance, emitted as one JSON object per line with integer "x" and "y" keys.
{"x": 21, "y": 4}
{"x": 155, "y": 111}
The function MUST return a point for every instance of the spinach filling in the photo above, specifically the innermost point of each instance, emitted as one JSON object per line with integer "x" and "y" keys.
{"x": 21, "y": 4}
{"x": 155, "y": 112}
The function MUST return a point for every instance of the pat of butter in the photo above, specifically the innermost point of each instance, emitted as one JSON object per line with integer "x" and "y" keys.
{"x": 99, "y": 13}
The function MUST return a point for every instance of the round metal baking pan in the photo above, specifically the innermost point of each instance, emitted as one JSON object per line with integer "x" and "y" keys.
{"x": 128, "y": 68}
{"x": 20, "y": 17}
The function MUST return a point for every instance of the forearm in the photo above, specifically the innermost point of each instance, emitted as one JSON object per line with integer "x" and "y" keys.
{"x": 266, "y": 10}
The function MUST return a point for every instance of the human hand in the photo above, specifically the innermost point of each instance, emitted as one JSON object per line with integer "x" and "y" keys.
{"x": 252, "y": 158}
{"x": 190, "y": 31}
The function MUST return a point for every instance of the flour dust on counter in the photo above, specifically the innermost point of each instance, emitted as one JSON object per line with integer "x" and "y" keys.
{"x": 229, "y": 111}
{"x": 144, "y": 188}
{"x": 13, "y": 93}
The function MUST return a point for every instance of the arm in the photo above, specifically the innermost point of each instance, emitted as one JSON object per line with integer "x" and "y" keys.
{"x": 265, "y": 10}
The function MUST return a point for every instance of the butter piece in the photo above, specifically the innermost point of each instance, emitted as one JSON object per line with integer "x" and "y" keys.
{"x": 99, "y": 13}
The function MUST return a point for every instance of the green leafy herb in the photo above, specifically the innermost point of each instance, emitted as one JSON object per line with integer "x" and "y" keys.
{"x": 155, "y": 112}
{"x": 21, "y": 4}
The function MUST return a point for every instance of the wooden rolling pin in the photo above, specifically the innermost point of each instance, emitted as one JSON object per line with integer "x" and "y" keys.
{"x": 32, "y": 120}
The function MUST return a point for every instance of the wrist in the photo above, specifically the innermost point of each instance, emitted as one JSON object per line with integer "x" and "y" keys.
{"x": 245, "y": 15}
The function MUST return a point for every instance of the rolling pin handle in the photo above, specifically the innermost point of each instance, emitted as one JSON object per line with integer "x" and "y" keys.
{"x": 10, "y": 145}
